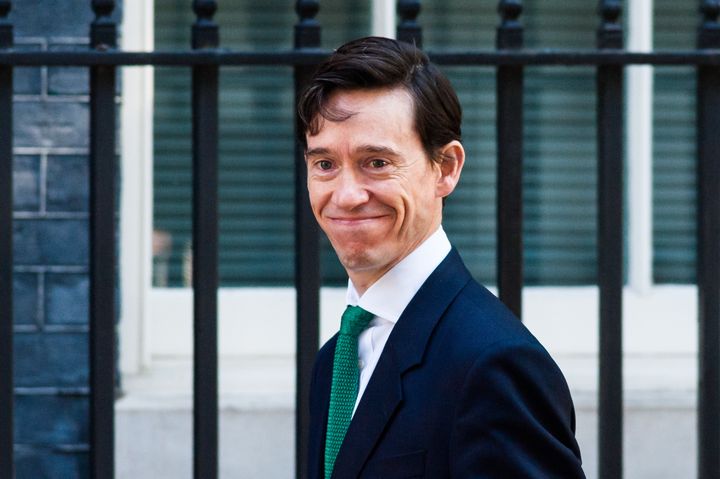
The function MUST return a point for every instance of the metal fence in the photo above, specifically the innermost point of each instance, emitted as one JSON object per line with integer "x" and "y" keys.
{"x": 510, "y": 58}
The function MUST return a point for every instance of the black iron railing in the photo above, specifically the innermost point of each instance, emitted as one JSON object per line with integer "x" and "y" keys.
{"x": 307, "y": 251}
{"x": 6, "y": 251}
{"x": 205, "y": 245}
{"x": 708, "y": 260}
{"x": 610, "y": 246}
{"x": 103, "y": 36}
{"x": 510, "y": 58}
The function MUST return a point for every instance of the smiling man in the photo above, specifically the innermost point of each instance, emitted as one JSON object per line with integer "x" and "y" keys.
{"x": 429, "y": 375}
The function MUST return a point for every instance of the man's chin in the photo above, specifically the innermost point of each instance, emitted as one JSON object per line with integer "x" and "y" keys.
{"x": 355, "y": 262}
{"x": 359, "y": 261}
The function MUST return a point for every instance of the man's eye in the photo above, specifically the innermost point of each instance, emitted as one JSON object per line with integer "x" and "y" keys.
{"x": 324, "y": 164}
{"x": 378, "y": 163}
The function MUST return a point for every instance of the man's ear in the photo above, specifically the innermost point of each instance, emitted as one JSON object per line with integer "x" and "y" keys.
{"x": 451, "y": 159}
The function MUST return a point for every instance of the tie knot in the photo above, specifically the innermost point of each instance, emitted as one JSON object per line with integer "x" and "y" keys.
{"x": 355, "y": 320}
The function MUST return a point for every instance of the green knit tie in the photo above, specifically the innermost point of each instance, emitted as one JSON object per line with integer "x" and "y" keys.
{"x": 344, "y": 381}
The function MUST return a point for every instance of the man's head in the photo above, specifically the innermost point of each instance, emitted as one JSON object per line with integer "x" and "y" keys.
{"x": 382, "y": 130}
{"x": 374, "y": 63}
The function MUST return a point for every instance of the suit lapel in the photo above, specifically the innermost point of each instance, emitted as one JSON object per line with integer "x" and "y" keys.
{"x": 405, "y": 348}
{"x": 319, "y": 404}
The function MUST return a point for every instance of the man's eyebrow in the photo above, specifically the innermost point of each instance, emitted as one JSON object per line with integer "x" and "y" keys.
{"x": 317, "y": 152}
{"x": 375, "y": 149}
{"x": 378, "y": 149}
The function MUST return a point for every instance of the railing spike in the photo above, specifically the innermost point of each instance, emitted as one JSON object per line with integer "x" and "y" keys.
{"x": 510, "y": 30}
{"x": 510, "y": 11}
{"x": 6, "y": 28}
{"x": 710, "y": 10}
{"x": 205, "y": 9}
{"x": 205, "y": 32}
{"x": 409, "y": 29}
{"x": 610, "y": 32}
{"x": 306, "y": 10}
{"x": 103, "y": 8}
{"x": 103, "y": 31}
{"x": 709, "y": 33}
{"x": 307, "y": 29}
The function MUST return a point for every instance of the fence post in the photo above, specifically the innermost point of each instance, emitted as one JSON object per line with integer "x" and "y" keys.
{"x": 409, "y": 30}
{"x": 610, "y": 245}
{"x": 205, "y": 35}
{"x": 509, "y": 210}
{"x": 6, "y": 250}
{"x": 307, "y": 249}
{"x": 103, "y": 35}
{"x": 708, "y": 256}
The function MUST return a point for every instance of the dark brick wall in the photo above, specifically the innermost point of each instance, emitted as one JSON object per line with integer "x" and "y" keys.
{"x": 50, "y": 233}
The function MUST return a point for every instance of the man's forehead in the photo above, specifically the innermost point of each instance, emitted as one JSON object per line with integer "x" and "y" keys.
{"x": 358, "y": 99}
{"x": 378, "y": 105}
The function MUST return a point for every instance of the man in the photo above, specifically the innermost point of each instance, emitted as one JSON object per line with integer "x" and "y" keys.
{"x": 430, "y": 375}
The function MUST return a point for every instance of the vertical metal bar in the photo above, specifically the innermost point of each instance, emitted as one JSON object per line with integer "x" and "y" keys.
{"x": 307, "y": 251}
{"x": 6, "y": 251}
{"x": 510, "y": 161}
{"x": 708, "y": 256}
{"x": 205, "y": 35}
{"x": 409, "y": 30}
{"x": 610, "y": 245}
{"x": 103, "y": 36}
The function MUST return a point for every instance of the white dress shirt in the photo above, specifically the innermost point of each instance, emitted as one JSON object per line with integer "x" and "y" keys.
{"x": 388, "y": 297}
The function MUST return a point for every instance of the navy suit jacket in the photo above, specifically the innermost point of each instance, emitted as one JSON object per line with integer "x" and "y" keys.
{"x": 461, "y": 390}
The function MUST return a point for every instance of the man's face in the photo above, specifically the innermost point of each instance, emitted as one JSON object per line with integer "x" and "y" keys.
{"x": 372, "y": 187}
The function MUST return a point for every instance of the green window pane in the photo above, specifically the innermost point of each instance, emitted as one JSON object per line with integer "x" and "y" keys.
{"x": 559, "y": 140}
{"x": 674, "y": 149}
{"x": 256, "y": 143}
{"x": 560, "y": 145}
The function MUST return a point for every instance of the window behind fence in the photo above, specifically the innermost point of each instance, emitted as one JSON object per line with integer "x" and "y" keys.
{"x": 256, "y": 243}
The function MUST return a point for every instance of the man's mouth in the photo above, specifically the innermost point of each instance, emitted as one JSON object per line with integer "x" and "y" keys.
{"x": 355, "y": 220}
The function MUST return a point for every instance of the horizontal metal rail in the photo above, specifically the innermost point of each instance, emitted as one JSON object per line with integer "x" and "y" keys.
{"x": 313, "y": 56}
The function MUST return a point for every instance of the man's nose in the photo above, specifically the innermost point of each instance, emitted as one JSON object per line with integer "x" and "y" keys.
{"x": 350, "y": 191}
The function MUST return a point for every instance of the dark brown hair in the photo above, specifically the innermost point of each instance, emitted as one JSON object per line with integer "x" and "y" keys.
{"x": 375, "y": 62}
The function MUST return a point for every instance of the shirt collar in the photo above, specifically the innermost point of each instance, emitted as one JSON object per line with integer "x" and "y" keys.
{"x": 388, "y": 297}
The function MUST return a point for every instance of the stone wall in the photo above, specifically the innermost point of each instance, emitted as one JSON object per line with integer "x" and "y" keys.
{"x": 50, "y": 233}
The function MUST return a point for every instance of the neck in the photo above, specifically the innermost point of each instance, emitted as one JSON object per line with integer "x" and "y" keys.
{"x": 363, "y": 280}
